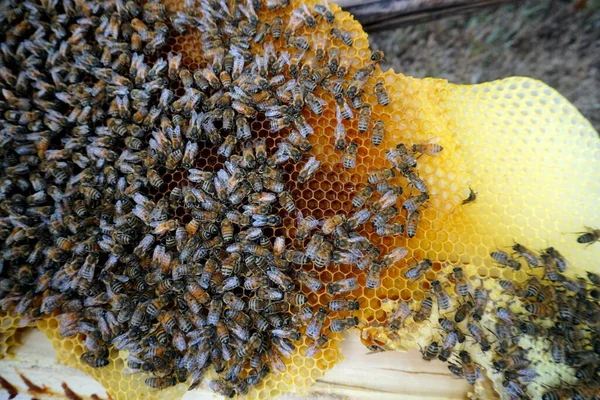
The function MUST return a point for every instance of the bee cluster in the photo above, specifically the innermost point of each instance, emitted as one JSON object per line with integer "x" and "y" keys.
{"x": 561, "y": 313}
{"x": 96, "y": 119}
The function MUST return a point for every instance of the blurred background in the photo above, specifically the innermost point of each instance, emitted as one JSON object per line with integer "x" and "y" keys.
{"x": 555, "y": 41}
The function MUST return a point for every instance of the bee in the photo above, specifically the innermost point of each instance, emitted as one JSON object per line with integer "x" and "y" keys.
{"x": 460, "y": 282}
{"x": 377, "y": 56}
{"x": 415, "y": 180}
{"x": 325, "y": 12}
{"x": 424, "y": 311}
{"x": 305, "y": 225}
{"x": 330, "y": 224}
{"x": 313, "y": 245}
{"x": 342, "y": 35}
{"x": 227, "y": 230}
{"x": 456, "y": 370}
{"x": 477, "y": 332}
{"x": 417, "y": 272}
{"x": 374, "y": 276}
{"x": 219, "y": 386}
{"x": 431, "y": 351}
{"x": 323, "y": 254}
{"x": 316, "y": 346}
{"x": 233, "y": 301}
{"x": 296, "y": 257}
{"x": 528, "y": 255}
{"x": 190, "y": 154}
{"x": 559, "y": 260}
{"x": 154, "y": 178}
{"x": 287, "y": 201}
{"x": 276, "y": 27}
{"x": 469, "y": 369}
{"x": 340, "y": 134}
{"x": 342, "y": 286}
{"x": 540, "y": 310}
{"x": 463, "y": 311}
{"x": 511, "y": 287}
{"x": 387, "y": 200}
{"x": 349, "y": 157}
{"x": 299, "y": 42}
{"x": 341, "y": 305}
{"x": 381, "y": 175}
{"x": 429, "y": 147}
{"x": 378, "y": 133}
{"x": 471, "y": 198}
{"x": 589, "y": 237}
{"x": 449, "y": 327}
{"x": 340, "y": 325}
{"x": 308, "y": 170}
{"x": 400, "y": 314}
{"x": 94, "y": 360}
{"x": 505, "y": 260}
{"x": 533, "y": 287}
{"x": 315, "y": 325}
{"x": 441, "y": 295}
{"x": 244, "y": 109}
{"x": 551, "y": 270}
{"x": 279, "y": 278}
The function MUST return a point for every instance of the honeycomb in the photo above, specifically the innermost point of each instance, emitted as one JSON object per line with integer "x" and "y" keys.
{"x": 519, "y": 145}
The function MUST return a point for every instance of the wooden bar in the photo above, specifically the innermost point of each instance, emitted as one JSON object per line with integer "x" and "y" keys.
{"x": 375, "y": 15}
{"x": 381, "y": 376}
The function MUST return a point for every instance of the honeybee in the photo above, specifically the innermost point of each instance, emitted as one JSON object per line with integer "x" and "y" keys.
{"x": 399, "y": 315}
{"x": 424, "y": 311}
{"x": 279, "y": 278}
{"x": 349, "y": 157}
{"x": 505, "y": 260}
{"x": 589, "y": 237}
{"x": 325, "y": 12}
{"x": 342, "y": 35}
{"x": 341, "y": 305}
{"x": 430, "y": 147}
{"x": 431, "y": 351}
{"x": 540, "y": 310}
{"x": 329, "y": 225}
{"x": 323, "y": 254}
{"x": 412, "y": 222}
{"x": 296, "y": 257}
{"x": 315, "y": 326}
{"x": 342, "y": 286}
{"x": 377, "y": 56}
{"x": 449, "y": 327}
{"x": 387, "y": 200}
{"x": 460, "y": 282}
{"x": 381, "y": 175}
{"x": 392, "y": 229}
{"x": 219, "y": 386}
{"x": 316, "y": 346}
{"x": 559, "y": 260}
{"x": 463, "y": 311}
{"x": 470, "y": 370}
{"x": 340, "y": 135}
{"x": 528, "y": 255}
{"x": 340, "y": 325}
{"x": 441, "y": 295}
{"x": 308, "y": 169}
{"x": 305, "y": 225}
{"x": 313, "y": 245}
{"x": 374, "y": 276}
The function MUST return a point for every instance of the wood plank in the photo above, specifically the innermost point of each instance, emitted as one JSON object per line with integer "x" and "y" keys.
{"x": 381, "y": 376}
{"x": 377, "y": 15}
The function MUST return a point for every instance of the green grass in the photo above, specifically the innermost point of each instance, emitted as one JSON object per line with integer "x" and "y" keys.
{"x": 547, "y": 40}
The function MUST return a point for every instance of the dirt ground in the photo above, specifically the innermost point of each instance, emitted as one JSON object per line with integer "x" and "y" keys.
{"x": 550, "y": 40}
